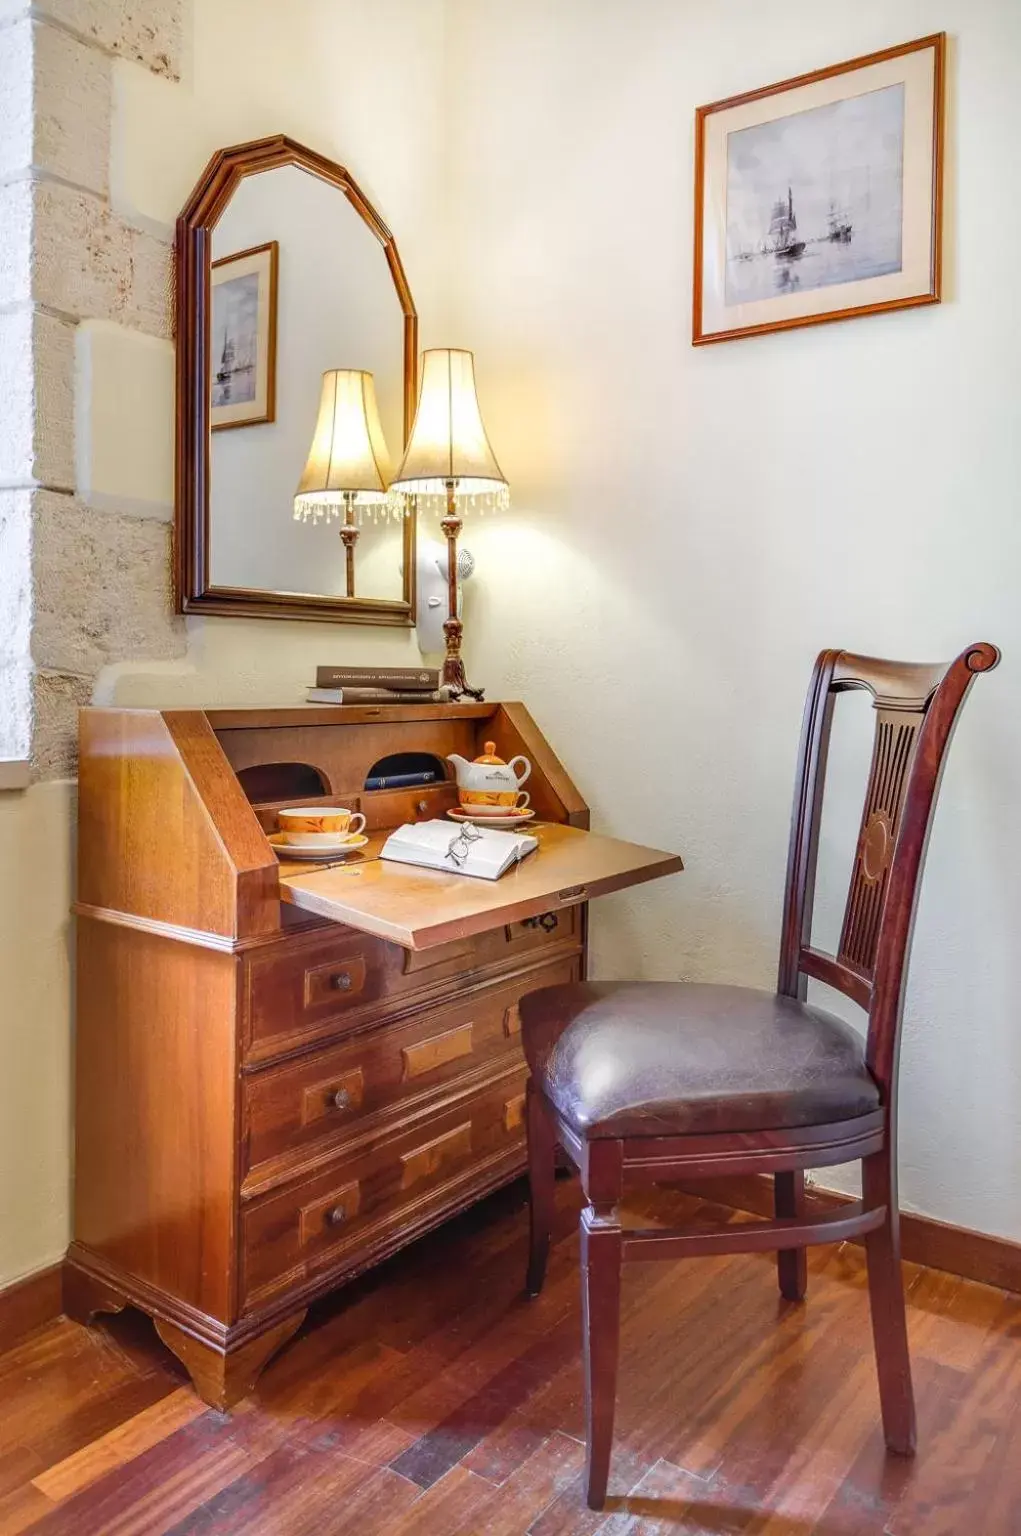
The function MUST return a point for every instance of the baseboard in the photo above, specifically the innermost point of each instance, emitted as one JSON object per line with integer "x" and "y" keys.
{"x": 957, "y": 1250}
{"x": 38, "y": 1300}
{"x": 29, "y": 1304}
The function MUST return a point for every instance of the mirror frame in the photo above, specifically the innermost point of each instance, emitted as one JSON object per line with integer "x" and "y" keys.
{"x": 193, "y": 588}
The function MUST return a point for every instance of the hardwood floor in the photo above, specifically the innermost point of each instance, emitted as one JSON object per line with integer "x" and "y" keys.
{"x": 431, "y": 1397}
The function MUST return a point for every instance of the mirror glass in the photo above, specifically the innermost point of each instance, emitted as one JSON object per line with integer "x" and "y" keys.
{"x": 299, "y": 285}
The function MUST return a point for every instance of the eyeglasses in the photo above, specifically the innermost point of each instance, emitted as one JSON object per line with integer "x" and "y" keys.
{"x": 460, "y": 846}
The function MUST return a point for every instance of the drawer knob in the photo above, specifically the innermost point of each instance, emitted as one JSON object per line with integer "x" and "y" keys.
{"x": 336, "y": 1217}
{"x": 422, "y": 807}
{"x": 341, "y": 1099}
{"x": 341, "y": 982}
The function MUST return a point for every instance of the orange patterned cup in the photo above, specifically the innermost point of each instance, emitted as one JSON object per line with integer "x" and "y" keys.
{"x": 299, "y": 823}
{"x": 501, "y": 803}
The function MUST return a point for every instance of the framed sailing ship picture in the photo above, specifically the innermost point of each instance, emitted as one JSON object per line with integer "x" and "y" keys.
{"x": 820, "y": 198}
{"x": 243, "y": 338}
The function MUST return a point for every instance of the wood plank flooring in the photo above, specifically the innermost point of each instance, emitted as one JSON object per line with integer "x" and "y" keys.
{"x": 431, "y": 1397}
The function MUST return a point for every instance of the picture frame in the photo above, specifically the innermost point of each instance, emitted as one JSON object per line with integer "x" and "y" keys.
{"x": 243, "y": 338}
{"x": 820, "y": 198}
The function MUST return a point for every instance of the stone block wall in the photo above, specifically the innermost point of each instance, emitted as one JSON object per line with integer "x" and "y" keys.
{"x": 84, "y": 578}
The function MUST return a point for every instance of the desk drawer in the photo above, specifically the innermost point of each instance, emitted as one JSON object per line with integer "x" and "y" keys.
{"x": 499, "y": 945}
{"x": 384, "y": 1194}
{"x": 314, "y": 986}
{"x": 387, "y": 808}
{"x": 327, "y": 1097}
{"x": 299, "y": 989}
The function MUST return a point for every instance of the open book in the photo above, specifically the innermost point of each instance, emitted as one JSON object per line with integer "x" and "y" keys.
{"x": 460, "y": 850}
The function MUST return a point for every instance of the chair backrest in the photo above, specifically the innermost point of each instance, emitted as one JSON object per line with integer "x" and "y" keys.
{"x": 916, "y": 710}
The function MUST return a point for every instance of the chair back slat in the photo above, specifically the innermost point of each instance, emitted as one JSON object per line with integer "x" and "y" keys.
{"x": 892, "y": 756}
{"x": 803, "y": 852}
{"x": 916, "y": 709}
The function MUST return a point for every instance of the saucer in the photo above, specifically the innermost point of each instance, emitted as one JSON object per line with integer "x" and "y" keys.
{"x": 508, "y": 820}
{"x": 317, "y": 852}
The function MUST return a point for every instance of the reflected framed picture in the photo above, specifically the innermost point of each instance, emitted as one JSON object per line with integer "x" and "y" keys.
{"x": 820, "y": 198}
{"x": 243, "y": 338}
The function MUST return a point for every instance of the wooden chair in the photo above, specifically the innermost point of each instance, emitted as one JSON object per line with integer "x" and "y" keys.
{"x": 651, "y": 1082}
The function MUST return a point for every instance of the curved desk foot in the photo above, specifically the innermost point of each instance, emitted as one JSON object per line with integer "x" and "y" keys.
{"x": 84, "y": 1295}
{"x": 223, "y": 1379}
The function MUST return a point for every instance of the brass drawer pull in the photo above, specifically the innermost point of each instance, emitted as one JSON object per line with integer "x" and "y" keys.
{"x": 323, "y": 1101}
{"x": 338, "y": 982}
{"x": 547, "y": 921}
{"x": 572, "y": 893}
{"x": 328, "y": 1213}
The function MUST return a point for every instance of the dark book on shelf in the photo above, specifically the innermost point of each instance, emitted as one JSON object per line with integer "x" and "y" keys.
{"x": 401, "y": 679}
{"x": 403, "y": 780}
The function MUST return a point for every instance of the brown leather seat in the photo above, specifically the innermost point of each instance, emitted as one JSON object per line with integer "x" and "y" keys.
{"x": 660, "y": 1059}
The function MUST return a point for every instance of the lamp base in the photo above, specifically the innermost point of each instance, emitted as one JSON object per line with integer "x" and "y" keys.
{"x": 453, "y": 675}
{"x": 455, "y": 679}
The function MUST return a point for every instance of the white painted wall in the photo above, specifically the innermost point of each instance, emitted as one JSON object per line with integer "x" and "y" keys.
{"x": 693, "y": 525}
{"x": 36, "y": 857}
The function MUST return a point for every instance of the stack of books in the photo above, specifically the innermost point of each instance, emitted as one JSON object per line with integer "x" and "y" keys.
{"x": 378, "y": 685}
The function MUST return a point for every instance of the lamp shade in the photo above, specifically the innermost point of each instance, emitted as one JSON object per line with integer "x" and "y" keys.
{"x": 348, "y": 456}
{"x": 448, "y": 441}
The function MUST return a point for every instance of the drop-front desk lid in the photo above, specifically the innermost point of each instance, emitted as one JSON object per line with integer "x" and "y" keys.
{"x": 419, "y": 908}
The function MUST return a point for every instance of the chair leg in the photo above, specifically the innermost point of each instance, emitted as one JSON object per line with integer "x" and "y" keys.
{"x": 542, "y": 1168}
{"x": 791, "y": 1263}
{"x": 601, "y": 1254}
{"x": 886, "y": 1297}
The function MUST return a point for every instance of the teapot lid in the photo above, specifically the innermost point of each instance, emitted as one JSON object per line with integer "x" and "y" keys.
{"x": 489, "y": 755}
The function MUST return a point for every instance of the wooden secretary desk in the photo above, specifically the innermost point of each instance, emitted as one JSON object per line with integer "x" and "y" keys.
{"x": 285, "y": 1072}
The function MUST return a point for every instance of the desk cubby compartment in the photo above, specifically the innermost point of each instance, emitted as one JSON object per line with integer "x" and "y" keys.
{"x": 406, "y": 770}
{"x": 397, "y": 802}
{"x": 282, "y": 783}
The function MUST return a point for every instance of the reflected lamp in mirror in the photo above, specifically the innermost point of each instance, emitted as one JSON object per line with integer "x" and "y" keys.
{"x": 450, "y": 457}
{"x": 348, "y": 467}
{"x": 341, "y": 296}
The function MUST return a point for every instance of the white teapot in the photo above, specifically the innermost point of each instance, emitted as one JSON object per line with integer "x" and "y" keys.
{"x": 489, "y": 780}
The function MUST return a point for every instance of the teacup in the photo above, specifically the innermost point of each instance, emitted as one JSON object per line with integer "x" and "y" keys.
{"x": 317, "y": 824}
{"x": 506, "y": 804}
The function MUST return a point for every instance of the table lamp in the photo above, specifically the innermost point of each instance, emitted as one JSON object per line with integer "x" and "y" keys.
{"x": 348, "y": 466}
{"x": 448, "y": 456}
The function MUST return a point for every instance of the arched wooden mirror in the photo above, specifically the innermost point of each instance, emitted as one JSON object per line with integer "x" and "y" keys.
{"x": 285, "y": 272}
